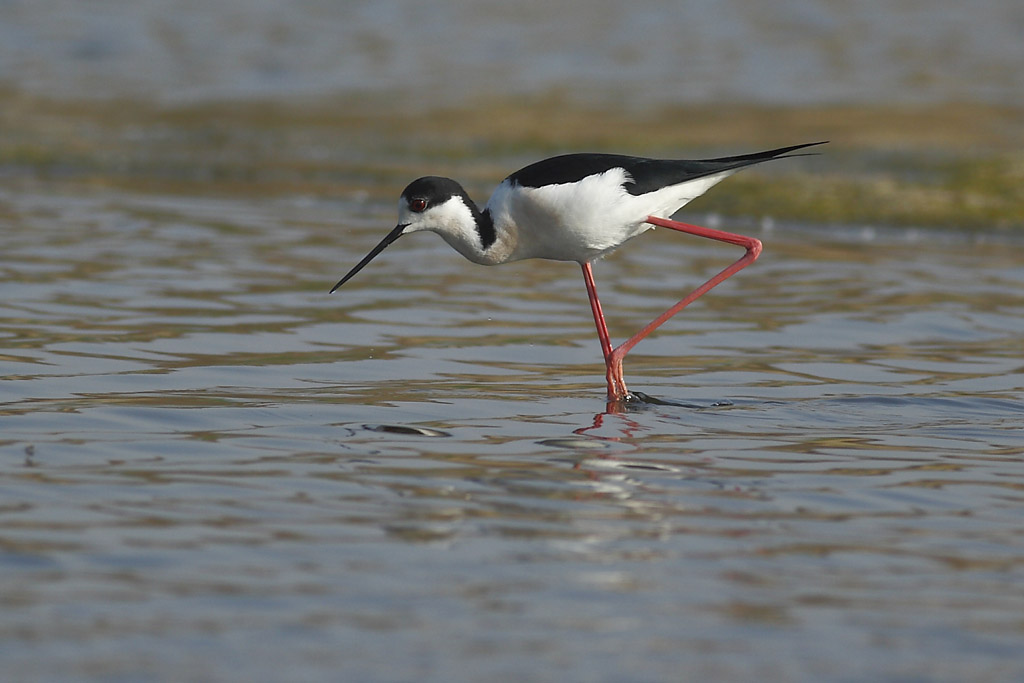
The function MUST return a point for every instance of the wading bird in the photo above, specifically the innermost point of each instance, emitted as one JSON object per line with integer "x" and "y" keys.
{"x": 576, "y": 207}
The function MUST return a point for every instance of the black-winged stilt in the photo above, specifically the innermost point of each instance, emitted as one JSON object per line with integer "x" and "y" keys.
{"x": 575, "y": 207}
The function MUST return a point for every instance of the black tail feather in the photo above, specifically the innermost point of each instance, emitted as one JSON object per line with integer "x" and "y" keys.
{"x": 757, "y": 157}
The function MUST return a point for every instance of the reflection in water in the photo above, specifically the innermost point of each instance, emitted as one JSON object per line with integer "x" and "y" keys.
{"x": 206, "y": 453}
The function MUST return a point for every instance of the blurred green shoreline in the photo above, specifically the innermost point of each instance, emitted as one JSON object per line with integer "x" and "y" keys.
{"x": 956, "y": 165}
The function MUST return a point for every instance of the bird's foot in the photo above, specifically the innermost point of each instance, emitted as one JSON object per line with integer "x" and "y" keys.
{"x": 617, "y": 390}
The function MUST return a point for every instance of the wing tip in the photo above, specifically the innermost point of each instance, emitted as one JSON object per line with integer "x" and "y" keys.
{"x": 777, "y": 153}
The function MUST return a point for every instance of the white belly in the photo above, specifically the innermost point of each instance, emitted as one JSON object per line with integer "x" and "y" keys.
{"x": 585, "y": 220}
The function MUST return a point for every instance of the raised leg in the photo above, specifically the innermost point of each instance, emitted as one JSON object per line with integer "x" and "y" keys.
{"x": 613, "y": 360}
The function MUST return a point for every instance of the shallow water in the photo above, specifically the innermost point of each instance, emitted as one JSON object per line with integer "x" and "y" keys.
{"x": 213, "y": 470}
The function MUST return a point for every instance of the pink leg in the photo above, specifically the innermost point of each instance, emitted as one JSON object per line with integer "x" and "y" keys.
{"x": 614, "y": 390}
{"x": 613, "y": 360}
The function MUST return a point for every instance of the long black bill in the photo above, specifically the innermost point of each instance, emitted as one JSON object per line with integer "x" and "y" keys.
{"x": 391, "y": 237}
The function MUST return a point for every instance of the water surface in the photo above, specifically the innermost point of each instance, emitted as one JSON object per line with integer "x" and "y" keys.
{"x": 211, "y": 469}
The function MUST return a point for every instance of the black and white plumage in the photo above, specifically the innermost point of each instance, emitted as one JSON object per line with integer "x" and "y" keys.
{"x": 574, "y": 207}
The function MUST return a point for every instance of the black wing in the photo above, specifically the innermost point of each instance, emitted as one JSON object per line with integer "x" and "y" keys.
{"x": 647, "y": 174}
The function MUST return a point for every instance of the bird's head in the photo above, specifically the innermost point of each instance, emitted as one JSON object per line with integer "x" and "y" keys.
{"x": 436, "y": 204}
{"x": 432, "y": 203}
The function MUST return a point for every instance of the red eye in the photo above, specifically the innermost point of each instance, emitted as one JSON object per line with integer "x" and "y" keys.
{"x": 418, "y": 204}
